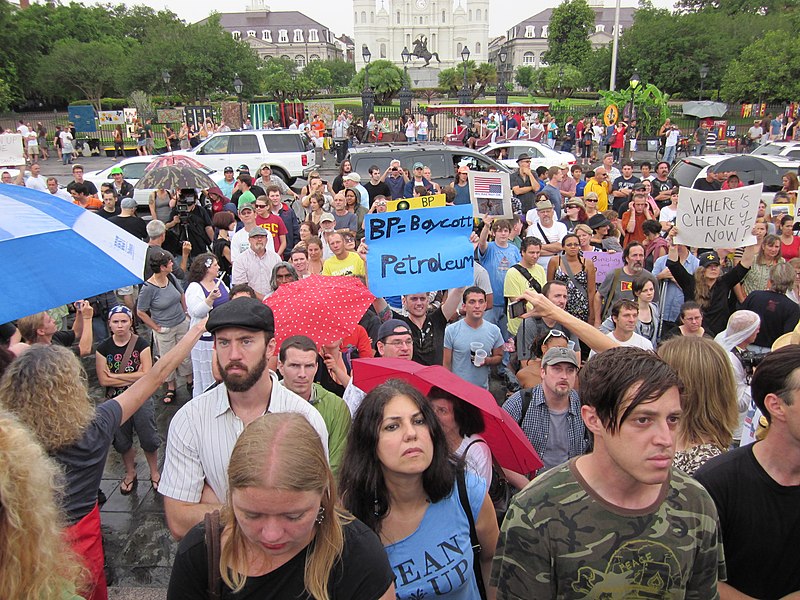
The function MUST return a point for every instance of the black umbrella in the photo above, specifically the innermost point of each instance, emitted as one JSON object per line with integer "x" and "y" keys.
{"x": 752, "y": 169}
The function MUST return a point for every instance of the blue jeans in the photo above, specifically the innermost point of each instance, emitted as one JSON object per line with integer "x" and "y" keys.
{"x": 669, "y": 154}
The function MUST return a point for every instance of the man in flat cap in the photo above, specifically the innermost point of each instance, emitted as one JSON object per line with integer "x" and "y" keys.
{"x": 203, "y": 432}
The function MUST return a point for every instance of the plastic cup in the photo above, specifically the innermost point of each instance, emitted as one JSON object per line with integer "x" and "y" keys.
{"x": 473, "y": 348}
{"x": 480, "y": 357}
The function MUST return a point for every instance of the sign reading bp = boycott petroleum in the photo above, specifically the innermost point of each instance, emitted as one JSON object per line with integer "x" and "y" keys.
{"x": 414, "y": 251}
{"x": 721, "y": 219}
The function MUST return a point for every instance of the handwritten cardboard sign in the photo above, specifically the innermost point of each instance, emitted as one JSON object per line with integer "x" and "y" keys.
{"x": 12, "y": 152}
{"x": 604, "y": 262}
{"x": 413, "y": 251}
{"x": 414, "y": 203}
{"x": 720, "y": 219}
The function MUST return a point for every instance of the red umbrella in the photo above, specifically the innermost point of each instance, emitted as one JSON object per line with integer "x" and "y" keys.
{"x": 509, "y": 444}
{"x": 166, "y": 160}
{"x": 324, "y": 308}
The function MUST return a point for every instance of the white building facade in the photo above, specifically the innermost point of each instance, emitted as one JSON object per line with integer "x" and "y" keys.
{"x": 445, "y": 27}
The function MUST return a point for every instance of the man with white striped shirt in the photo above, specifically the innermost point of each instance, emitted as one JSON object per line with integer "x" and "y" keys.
{"x": 203, "y": 432}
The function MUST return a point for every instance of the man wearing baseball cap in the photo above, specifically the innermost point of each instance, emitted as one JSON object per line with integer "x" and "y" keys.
{"x": 416, "y": 179}
{"x": 352, "y": 181}
{"x": 240, "y": 241}
{"x": 266, "y": 178}
{"x": 227, "y": 184}
{"x": 254, "y": 265}
{"x": 550, "y": 413}
{"x": 203, "y": 432}
{"x": 121, "y": 187}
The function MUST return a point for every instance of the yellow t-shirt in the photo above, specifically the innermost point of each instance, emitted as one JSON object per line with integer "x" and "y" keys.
{"x": 600, "y": 190}
{"x": 352, "y": 265}
{"x": 515, "y": 284}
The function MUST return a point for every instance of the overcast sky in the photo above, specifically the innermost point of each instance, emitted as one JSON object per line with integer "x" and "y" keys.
{"x": 337, "y": 14}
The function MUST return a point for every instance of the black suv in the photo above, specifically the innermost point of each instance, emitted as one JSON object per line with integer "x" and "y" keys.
{"x": 442, "y": 159}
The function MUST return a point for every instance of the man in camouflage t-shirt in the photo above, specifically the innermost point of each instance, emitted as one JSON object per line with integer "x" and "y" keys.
{"x": 620, "y": 522}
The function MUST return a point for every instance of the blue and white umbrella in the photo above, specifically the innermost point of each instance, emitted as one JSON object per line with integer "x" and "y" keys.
{"x": 54, "y": 252}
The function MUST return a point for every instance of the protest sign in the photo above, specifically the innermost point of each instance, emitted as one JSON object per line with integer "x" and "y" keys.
{"x": 111, "y": 117}
{"x": 419, "y": 250}
{"x": 490, "y": 194}
{"x": 12, "y": 153}
{"x": 432, "y": 201}
{"x": 720, "y": 219}
{"x": 604, "y": 263}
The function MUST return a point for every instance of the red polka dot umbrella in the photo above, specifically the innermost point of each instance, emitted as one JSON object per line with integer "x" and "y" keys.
{"x": 324, "y": 308}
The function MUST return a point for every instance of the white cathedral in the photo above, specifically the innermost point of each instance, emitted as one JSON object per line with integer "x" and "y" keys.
{"x": 441, "y": 28}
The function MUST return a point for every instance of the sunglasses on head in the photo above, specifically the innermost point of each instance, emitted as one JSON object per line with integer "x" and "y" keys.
{"x": 553, "y": 333}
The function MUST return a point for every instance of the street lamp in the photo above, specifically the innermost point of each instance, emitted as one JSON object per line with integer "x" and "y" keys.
{"x": 239, "y": 86}
{"x": 165, "y": 76}
{"x": 501, "y": 97}
{"x": 405, "y": 93}
{"x": 634, "y": 83}
{"x": 367, "y": 95}
{"x": 560, "y": 79}
{"x": 464, "y": 96}
{"x": 703, "y": 75}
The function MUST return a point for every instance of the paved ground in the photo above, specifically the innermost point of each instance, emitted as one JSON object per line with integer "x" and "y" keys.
{"x": 139, "y": 549}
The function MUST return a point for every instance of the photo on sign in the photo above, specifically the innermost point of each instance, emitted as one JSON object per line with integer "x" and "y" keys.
{"x": 490, "y": 194}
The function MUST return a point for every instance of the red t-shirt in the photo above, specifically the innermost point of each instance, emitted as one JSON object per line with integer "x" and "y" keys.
{"x": 275, "y": 225}
{"x": 790, "y": 251}
{"x": 638, "y": 232}
{"x": 619, "y": 138}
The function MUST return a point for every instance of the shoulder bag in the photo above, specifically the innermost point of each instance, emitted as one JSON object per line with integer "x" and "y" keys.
{"x": 473, "y": 534}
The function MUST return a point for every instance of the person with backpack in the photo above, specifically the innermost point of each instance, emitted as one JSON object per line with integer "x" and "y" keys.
{"x": 550, "y": 413}
{"x": 527, "y": 273}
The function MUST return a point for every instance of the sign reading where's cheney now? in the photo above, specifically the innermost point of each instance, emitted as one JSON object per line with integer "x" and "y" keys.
{"x": 721, "y": 219}
{"x": 414, "y": 251}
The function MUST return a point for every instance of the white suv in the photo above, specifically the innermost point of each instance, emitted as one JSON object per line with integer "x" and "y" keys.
{"x": 290, "y": 153}
{"x": 784, "y": 149}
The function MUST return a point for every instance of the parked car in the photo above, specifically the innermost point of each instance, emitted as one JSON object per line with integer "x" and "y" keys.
{"x": 289, "y": 152}
{"x": 541, "y": 154}
{"x": 442, "y": 159}
{"x": 785, "y": 149}
{"x": 688, "y": 170}
{"x": 132, "y": 170}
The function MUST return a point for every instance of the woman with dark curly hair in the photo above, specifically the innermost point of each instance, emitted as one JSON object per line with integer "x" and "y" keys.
{"x": 398, "y": 477}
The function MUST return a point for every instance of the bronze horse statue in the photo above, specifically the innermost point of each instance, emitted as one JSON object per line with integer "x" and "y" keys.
{"x": 421, "y": 51}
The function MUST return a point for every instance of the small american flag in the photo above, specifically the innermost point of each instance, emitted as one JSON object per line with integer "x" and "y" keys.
{"x": 488, "y": 186}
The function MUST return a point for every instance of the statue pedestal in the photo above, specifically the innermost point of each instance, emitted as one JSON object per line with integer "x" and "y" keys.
{"x": 424, "y": 77}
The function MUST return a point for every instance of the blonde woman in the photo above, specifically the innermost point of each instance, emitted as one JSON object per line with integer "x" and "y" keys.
{"x": 709, "y": 407}
{"x": 36, "y": 562}
{"x": 46, "y": 388}
{"x": 282, "y": 533}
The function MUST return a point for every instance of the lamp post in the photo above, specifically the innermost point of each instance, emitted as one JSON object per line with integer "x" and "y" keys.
{"x": 165, "y": 76}
{"x": 501, "y": 97}
{"x": 405, "y": 93}
{"x": 703, "y": 75}
{"x": 464, "y": 97}
{"x": 560, "y": 79}
{"x": 367, "y": 95}
{"x": 634, "y": 83}
{"x": 238, "y": 86}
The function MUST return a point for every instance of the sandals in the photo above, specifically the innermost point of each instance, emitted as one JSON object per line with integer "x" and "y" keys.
{"x": 154, "y": 483}
{"x": 168, "y": 397}
{"x": 126, "y": 487}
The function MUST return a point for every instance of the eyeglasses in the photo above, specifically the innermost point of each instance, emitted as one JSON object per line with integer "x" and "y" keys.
{"x": 398, "y": 343}
{"x": 261, "y": 206}
{"x": 590, "y": 199}
{"x": 554, "y": 333}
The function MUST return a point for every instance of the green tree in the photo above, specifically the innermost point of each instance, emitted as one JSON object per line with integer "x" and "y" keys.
{"x": 524, "y": 76}
{"x": 342, "y": 72}
{"x": 88, "y": 67}
{"x": 733, "y": 7}
{"x": 277, "y": 76}
{"x": 385, "y": 79}
{"x": 479, "y": 77}
{"x": 568, "y": 34}
{"x": 557, "y": 81}
{"x": 765, "y": 71}
{"x": 318, "y": 75}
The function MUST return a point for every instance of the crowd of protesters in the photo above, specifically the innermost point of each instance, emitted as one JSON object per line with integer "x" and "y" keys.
{"x": 661, "y": 400}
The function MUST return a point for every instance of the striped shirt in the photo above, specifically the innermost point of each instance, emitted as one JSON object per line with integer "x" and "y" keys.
{"x": 202, "y": 435}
